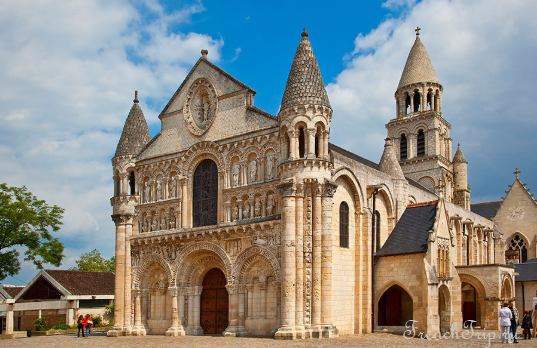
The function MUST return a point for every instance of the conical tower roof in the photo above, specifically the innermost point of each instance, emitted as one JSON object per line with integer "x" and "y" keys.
{"x": 305, "y": 83}
{"x": 388, "y": 162}
{"x": 418, "y": 67}
{"x": 459, "y": 157}
{"x": 135, "y": 133}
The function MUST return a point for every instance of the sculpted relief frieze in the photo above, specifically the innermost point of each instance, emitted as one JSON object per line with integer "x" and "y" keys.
{"x": 200, "y": 107}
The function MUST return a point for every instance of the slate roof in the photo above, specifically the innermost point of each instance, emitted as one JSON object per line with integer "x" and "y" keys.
{"x": 85, "y": 283}
{"x": 527, "y": 271}
{"x": 342, "y": 151}
{"x": 411, "y": 233}
{"x": 12, "y": 290}
{"x": 135, "y": 133}
{"x": 305, "y": 83}
{"x": 418, "y": 67}
{"x": 487, "y": 210}
{"x": 389, "y": 163}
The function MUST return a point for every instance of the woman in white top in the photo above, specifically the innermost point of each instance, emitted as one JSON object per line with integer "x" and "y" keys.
{"x": 505, "y": 316}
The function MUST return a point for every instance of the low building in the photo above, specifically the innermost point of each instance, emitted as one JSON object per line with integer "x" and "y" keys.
{"x": 59, "y": 295}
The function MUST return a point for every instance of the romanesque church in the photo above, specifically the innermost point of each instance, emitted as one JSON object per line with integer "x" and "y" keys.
{"x": 237, "y": 222}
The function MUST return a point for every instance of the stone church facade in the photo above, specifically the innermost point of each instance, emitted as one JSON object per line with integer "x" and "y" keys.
{"x": 234, "y": 221}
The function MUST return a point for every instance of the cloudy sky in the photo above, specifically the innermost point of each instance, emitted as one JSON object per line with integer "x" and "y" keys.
{"x": 68, "y": 71}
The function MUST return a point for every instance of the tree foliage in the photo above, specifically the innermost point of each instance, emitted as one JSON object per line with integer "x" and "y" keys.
{"x": 93, "y": 261}
{"x": 27, "y": 222}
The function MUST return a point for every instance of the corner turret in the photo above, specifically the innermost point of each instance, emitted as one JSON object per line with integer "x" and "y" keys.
{"x": 461, "y": 190}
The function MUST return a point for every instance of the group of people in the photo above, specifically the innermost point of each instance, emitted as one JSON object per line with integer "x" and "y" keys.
{"x": 84, "y": 324}
{"x": 510, "y": 320}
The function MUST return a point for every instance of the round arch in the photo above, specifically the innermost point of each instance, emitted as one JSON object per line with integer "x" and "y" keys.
{"x": 201, "y": 247}
{"x": 249, "y": 256}
{"x": 145, "y": 263}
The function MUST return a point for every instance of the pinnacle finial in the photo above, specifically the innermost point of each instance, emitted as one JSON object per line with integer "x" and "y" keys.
{"x": 136, "y": 97}
{"x": 204, "y": 53}
{"x": 304, "y": 33}
{"x": 516, "y": 172}
{"x": 417, "y": 30}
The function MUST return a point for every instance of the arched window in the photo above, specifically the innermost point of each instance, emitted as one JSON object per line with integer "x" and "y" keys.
{"x": 421, "y": 143}
{"x": 407, "y": 105}
{"x": 117, "y": 184}
{"x": 344, "y": 225}
{"x": 377, "y": 231}
{"x": 429, "y": 100}
{"x": 404, "y": 154}
{"x": 205, "y": 194}
{"x": 317, "y": 137}
{"x": 517, "y": 251}
{"x": 132, "y": 183}
{"x": 301, "y": 143}
{"x": 417, "y": 100}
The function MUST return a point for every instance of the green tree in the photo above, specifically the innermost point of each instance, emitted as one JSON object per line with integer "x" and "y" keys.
{"x": 93, "y": 261}
{"x": 27, "y": 222}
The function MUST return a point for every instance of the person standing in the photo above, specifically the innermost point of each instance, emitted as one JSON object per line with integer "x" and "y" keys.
{"x": 514, "y": 320}
{"x": 88, "y": 323}
{"x": 80, "y": 325}
{"x": 505, "y": 316}
{"x": 527, "y": 325}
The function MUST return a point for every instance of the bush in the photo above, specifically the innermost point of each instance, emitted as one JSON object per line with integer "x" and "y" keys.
{"x": 61, "y": 326}
{"x": 40, "y": 324}
{"x": 97, "y": 319}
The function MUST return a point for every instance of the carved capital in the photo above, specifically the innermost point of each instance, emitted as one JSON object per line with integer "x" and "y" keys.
{"x": 287, "y": 188}
{"x": 173, "y": 291}
{"x": 329, "y": 189}
{"x": 232, "y": 289}
{"x": 122, "y": 219}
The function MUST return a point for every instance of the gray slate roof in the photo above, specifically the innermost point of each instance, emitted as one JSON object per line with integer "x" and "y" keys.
{"x": 305, "y": 83}
{"x": 487, "y": 210}
{"x": 527, "y": 271}
{"x": 346, "y": 153}
{"x": 135, "y": 133}
{"x": 411, "y": 233}
{"x": 418, "y": 67}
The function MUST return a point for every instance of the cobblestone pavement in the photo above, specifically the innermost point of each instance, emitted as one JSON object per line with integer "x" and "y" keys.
{"x": 381, "y": 340}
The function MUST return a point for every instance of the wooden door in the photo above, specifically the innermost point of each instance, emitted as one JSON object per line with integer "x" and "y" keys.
{"x": 394, "y": 308}
{"x": 468, "y": 312}
{"x": 214, "y": 303}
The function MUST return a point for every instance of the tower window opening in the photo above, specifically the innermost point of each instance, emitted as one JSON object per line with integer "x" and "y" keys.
{"x": 417, "y": 101}
{"x": 429, "y": 101}
{"x": 404, "y": 154}
{"x": 344, "y": 225}
{"x": 132, "y": 183}
{"x": 301, "y": 143}
{"x": 407, "y": 105}
{"x": 317, "y": 138}
{"x": 287, "y": 146}
{"x": 377, "y": 231}
{"x": 421, "y": 143}
{"x": 117, "y": 184}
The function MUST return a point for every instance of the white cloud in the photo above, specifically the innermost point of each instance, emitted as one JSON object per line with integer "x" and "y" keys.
{"x": 483, "y": 53}
{"x": 69, "y": 71}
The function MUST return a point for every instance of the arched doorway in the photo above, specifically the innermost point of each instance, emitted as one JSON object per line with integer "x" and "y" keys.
{"x": 469, "y": 303}
{"x": 214, "y": 303}
{"x": 205, "y": 194}
{"x": 395, "y": 307}
{"x": 444, "y": 309}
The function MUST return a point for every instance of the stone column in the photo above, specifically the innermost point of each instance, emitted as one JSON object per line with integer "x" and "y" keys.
{"x": 138, "y": 329}
{"x": 326, "y": 260}
{"x": 287, "y": 329}
{"x": 411, "y": 102}
{"x": 120, "y": 275}
{"x": 432, "y": 100}
{"x": 311, "y": 142}
{"x": 264, "y": 206}
{"x": 175, "y": 329}
{"x": 242, "y": 306}
{"x": 263, "y": 298}
{"x": 184, "y": 200}
{"x": 325, "y": 142}
{"x": 316, "y": 278}
{"x": 292, "y": 144}
{"x": 412, "y": 150}
{"x": 194, "y": 328}
{"x": 181, "y": 314}
{"x": 322, "y": 149}
{"x": 250, "y": 297}
{"x": 128, "y": 275}
{"x": 239, "y": 204}
{"x": 299, "y": 235}
{"x": 9, "y": 317}
{"x": 277, "y": 288}
{"x": 234, "y": 329}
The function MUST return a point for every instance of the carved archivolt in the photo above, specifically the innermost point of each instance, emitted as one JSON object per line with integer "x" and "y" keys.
{"x": 249, "y": 256}
{"x": 144, "y": 264}
{"x": 200, "y": 247}
{"x": 199, "y": 152}
{"x": 483, "y": 288}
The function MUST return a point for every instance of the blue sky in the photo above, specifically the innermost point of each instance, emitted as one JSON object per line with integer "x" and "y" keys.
{"x": 68, "y": 71}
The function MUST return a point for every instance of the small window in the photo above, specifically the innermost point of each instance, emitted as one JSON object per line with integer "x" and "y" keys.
{"x": 344, "y": 225}
{"x": 317, "y": 137}
{"x": 301, "y": 143}
{"x": 417, "y": 100}
{"x": 421, "y": 143}
{"x": 404, "y": 154}
{"x": 132, "y": 183}
{"x": 377, "y": 230}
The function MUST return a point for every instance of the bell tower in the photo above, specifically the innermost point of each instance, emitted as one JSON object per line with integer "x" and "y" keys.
{"x": 421, "y": 134}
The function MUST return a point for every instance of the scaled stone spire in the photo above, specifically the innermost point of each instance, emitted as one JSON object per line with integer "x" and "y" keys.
{"x": 305, "y": 83}
{"x": 389, "y": 163}
{"x": 459, "y": 157}
{"x": 135, "y": 133}
{"x": 418, "y": 67}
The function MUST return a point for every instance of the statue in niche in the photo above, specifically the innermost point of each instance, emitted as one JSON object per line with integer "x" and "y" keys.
{"x": 159, "y": 189}
{"x": 163, "y": 223}
{"x": 236, "y": 171}
{"x": 270, "y": 167}
{"x": 270, "y": 205}
{"x": 257, "y": 207}
{"x": 253, "y": 171}
{"x": 142, "y": 227}
{"x": 246, "y": 211}
{"x": 172, "y": 222}
{"x": 202, "y": 106}
{"x": 235, "y": 213}
{"x": 146, "y": 192}
{"x": 173, "y": 188}
{"x": 154, "y": 225}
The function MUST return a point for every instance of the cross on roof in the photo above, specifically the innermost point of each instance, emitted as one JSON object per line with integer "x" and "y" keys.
{"x": 516, "y": 172}
{"x": 417, "y": 30}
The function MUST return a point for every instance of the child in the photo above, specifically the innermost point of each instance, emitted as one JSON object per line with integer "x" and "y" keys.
{"x": 80, "y": 326}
